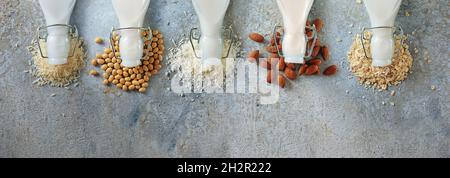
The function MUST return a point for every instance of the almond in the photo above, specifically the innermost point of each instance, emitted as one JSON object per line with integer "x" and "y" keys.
{"x": 253, "y": 56}
{"x": 269, "y": 76}
{"x": 274, "y": 55}
{"x": 291, "y": 66}
{"x": 274, "y": 61}
{"x": 272, "y": 42}
{"x": 311, "y": 70}
{"x": 256, "y": 37}
{"x": 316, "y": 51}
{"x": 317, "y": 42}
{"x": 319, "y": 24}
{"x": 281, "y": 64}
{"x": 272, "y": 49}
{"x": 290, "y": 74}
{"x": 281, "y": 81}
{"x": 308, "y": 23}
{"x": 309, "y": 34}
{"x": 265, "y": 64}
{"x": 278, "y": 35}
{"x": 310, "y": 43}
{"x": 302, "y": 69}
{"x": 325, "y": 53}
{"x": 315, "y": 62}
{"x": 330, "y": 70}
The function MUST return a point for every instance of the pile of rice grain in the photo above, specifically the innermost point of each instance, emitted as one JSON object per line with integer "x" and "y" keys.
{"x": 57, "y": 75}
{"x": 187, "y": 67}
{"x": 379, "y": 77}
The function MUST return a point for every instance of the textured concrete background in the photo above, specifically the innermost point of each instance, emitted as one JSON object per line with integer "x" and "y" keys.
{"x": 315, "y": 118}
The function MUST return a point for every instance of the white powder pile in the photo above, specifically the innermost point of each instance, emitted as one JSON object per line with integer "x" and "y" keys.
{"x": 185, "y": 66}
{"x": 57, "y": 75}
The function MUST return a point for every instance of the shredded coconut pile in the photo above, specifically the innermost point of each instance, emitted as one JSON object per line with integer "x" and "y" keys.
{"x": 57, "y": 75}
{"x": 379, "y": 77}
{"x": 186, "y": 66}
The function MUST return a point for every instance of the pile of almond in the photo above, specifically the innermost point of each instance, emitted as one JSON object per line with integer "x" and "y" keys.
{"x": 291, "y": 71}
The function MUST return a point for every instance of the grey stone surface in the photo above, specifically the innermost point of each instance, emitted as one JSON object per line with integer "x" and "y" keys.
{"x": 315, "y": 118}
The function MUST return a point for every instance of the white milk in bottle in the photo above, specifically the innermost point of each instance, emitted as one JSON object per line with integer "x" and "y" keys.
{"x": 295, "y": 14}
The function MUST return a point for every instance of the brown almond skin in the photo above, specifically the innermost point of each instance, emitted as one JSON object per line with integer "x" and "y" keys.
{"x": 311, "y": 70}
{"x": 302, "y": 69}
{"x": 319, "y": 23}
{"x": 265, "y": 64}
{"x": 272, "y": 49}
{"x": 290, "y": 74}
{"x": 281, "y": 64}
{"x": 274, "y": 59}
{"x": 272, "y": 42}
{"x": 274, "y": 55}
{"x": 281, "y": 81}
{"x": 278, "y": 35}
{"x": 269, "y": 76}
{"x": 309, "y": 34}
{"x": 325, "y": 53}
{"x": 256, "y": 37}
{"x": 317, "y": 62}
{"x": 330, "y": 70}
{"x": 291, "y": 66}
{"x": 318, "y": 71}
{"x": 316, "y": 51}
{"x": 317, "y": 42}
{"x": 253, "y": 56}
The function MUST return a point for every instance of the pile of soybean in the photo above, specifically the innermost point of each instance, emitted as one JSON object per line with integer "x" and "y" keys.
{"x": 136, "y": 78}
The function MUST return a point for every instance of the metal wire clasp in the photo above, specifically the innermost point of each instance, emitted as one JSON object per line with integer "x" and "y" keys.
{"x": 73, "y": 32}
{"x": 313, "y": 37}
{"x": 192, "y": 37}
{"x": 394, "y": 28}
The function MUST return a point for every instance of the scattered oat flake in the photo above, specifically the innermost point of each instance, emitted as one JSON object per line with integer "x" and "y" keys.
{"x": 407, "y": 14}
{"x": 433, "y": 87}
{"x": 393, "y": 93}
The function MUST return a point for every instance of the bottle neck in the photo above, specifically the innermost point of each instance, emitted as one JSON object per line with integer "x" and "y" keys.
{"x": 383, "y": 33}
{"x": 212, "y": 30}
{"x": 382, "y": 47}
{"x": 131, "y": 47}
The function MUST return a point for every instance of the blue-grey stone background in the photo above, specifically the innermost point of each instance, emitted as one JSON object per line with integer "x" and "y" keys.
{"x": 316, "y": 117}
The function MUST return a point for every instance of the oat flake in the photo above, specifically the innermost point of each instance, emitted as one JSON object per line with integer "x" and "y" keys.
{"x": 379, "y": 77}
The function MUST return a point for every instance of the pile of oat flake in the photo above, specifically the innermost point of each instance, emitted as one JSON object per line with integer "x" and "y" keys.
{"x": 380, "y": 78}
